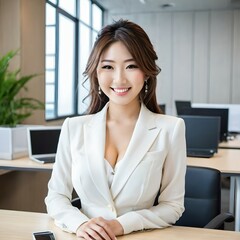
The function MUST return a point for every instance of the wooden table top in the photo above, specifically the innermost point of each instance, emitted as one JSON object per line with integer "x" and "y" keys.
{"x": 234, "y": 143}
{"x": 24, "y": 164}
{"x": 226, "y": 161}
{"x": 20, "y": 225}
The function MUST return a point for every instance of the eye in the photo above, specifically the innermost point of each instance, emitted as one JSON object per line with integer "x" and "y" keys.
{"x": 132, "y": 66}
{"x": 107, "y": 67}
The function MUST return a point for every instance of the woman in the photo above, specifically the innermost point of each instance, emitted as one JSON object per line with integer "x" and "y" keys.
{"x": 124, "y": 155}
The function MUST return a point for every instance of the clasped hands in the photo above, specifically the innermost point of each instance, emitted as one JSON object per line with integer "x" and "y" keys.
{"x": 100, "y": 229}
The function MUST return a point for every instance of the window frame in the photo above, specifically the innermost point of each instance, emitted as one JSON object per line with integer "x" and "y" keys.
{"x": 76, "y": 72}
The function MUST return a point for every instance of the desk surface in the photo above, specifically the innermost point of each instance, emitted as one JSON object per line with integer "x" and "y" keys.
{"x": 24, "y": 164}
{"x": 20, "y": 225}
{"x": 226, "y": 161}
{"x": 232, "y": 144}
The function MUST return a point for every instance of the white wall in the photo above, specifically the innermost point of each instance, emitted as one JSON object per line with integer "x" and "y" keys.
{"x": 199, "y": 53}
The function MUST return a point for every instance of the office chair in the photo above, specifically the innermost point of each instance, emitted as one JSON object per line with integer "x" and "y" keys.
{"x": 182, "y": 105}
{"x": 76, "y": 202}
{"x": 203, "y": 199}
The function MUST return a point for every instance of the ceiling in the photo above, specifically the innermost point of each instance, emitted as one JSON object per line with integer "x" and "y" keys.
{"x": 146, "y": 6}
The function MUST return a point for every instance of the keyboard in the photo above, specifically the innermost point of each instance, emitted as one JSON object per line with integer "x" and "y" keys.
{"x": 46, "y": 159}
{"x": 200, "y": 153}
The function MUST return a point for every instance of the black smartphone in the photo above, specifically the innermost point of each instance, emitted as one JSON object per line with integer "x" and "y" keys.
{"x": 46, "y": 235}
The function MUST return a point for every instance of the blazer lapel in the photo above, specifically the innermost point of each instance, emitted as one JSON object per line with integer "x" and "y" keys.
{"x": 143, "y": 136}
{"x": 94, "y": 134}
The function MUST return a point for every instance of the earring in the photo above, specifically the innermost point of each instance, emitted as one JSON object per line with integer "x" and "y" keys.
{"x": 146, "y": 87}
{"x": 99, "y": 90}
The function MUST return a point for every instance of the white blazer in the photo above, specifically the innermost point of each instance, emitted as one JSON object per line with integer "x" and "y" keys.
{"x": 155, "y": 159}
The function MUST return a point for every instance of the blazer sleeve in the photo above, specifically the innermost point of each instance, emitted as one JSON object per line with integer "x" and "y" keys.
{"x": 171, "y": 200}
{"x": 58, "y": 200}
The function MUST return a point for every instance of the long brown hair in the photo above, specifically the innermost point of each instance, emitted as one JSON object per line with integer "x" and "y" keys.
{"x": 140, "y": 47}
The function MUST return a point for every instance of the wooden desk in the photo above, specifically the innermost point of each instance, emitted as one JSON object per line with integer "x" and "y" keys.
{"x": 227, "y": 161}
{"x": 20, "y": 176}
{"x": 232, "y": 144}
{"x": 20, "y": 225}
{"x": 24, "y": 164}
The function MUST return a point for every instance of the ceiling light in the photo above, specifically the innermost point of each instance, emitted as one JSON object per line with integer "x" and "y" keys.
{"x": 142, "y": 1}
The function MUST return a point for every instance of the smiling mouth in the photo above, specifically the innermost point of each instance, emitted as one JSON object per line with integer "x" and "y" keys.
{"x": 120, "y": 90}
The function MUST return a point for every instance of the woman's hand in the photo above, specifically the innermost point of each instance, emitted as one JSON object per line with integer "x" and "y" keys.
{"x": 116, "y": 227}
{"x": 99, "y": 229}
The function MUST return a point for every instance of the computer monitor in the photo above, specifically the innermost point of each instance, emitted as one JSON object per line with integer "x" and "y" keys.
{"x": 202, "y": 132}
{"x": 162, "y": 107}
{"x": 179, "y": 104}
{"x": 221, "y": 112}
{"x": 43, "y": 142}
{"x": 233, "y": 114}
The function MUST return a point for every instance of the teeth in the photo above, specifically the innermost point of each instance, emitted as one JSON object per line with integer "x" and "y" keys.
{"x": 122, "y": 90}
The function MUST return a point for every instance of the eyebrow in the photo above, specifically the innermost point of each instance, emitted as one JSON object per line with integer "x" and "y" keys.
{"x": 127, "y": 60}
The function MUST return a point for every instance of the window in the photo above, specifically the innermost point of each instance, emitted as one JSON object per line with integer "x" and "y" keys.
{"x": 71, "y": 29}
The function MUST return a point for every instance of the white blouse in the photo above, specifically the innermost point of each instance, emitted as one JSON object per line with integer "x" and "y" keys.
{"x": 110, "y": 171}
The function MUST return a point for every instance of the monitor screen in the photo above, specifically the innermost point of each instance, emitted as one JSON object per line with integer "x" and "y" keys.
{"x": 181, "y": 105}
{"x": 202, "y": 132}
{"x": 233, "y": 114}
{"x": 44, "y": 141}
{"x": 221, "y": 112}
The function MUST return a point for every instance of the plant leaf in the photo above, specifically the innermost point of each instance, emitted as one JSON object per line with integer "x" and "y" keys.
{"x": 13, "y": 109}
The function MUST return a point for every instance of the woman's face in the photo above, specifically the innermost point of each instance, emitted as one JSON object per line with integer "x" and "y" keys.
{"x": 119, "y": 76}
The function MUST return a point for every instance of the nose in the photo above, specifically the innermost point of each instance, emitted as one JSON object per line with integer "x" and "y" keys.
{"x": 119, "y": 76}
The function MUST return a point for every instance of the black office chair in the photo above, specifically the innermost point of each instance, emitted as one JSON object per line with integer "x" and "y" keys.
{"x": 76, "y": 202}
{"x": 180, "y": 105}
{"x": 203, "y": 199}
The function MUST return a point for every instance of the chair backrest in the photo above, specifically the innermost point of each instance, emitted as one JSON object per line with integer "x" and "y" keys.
{"x": 202, "y": 196}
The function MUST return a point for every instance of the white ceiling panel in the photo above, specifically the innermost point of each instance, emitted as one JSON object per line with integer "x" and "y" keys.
{"x": 137, "y": 6}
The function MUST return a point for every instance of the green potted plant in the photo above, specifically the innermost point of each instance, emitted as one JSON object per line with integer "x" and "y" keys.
{"x": 14, "y": 109}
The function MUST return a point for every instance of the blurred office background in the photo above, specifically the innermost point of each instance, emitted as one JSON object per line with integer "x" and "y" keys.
{"x": 197, "y": 42}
